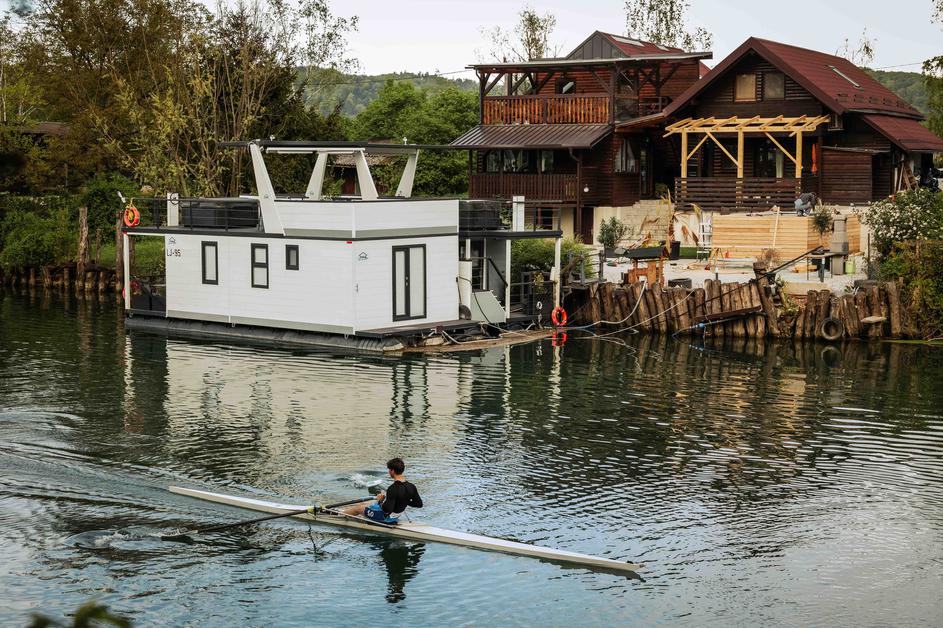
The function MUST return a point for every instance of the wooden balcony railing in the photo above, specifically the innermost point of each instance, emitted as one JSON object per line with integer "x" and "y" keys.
{"x": 568, "y": 109}
{"x": 537, "y": 187}
{"x": 729, "y": 194}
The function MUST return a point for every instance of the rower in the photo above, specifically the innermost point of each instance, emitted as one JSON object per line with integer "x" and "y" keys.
{"x": 389, "y": 504}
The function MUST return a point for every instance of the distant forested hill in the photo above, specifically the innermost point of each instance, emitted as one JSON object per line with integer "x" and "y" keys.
{"x": 908, "y": 85}
{"x": 354, "y": 92}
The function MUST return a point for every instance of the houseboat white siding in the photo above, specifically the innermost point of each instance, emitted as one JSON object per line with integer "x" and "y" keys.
{"x": 318, "y": 296}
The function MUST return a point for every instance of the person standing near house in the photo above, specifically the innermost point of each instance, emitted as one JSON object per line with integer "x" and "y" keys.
{"x": 392, "y": 502}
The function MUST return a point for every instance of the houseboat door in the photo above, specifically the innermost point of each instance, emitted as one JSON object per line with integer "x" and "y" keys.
{"x": 409, "y": 282}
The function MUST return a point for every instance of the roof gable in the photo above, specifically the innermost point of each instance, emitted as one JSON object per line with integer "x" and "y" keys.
{"x": 602, "y": 45}
{"x": 834, "y": 81}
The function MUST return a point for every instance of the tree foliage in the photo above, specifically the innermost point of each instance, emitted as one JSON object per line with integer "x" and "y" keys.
{"x": 665, "y": 22}
{"x": 529, "y": 39}
{"x": 862, "y": 53}
{"x": 933, "y": 77}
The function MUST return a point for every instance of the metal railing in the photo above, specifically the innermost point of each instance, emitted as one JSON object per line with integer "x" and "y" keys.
{"x": 199, "y": 213}
{"x": 491, "y": 215}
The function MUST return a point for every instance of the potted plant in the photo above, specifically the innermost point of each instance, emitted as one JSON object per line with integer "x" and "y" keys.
{"x": 611, "y": 232}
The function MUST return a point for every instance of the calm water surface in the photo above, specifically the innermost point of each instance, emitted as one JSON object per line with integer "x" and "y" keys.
{"x": 782, "y": 485}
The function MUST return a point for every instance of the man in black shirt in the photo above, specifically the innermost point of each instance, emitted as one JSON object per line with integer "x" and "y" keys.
{"x": 394, "y": 501}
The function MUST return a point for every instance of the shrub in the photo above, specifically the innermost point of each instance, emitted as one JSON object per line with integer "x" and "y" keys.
{"x": 919, "y": 267}
{"x": 535, "y": 254}
{"x": 100, "y": 196}
{"x": 611, "y": 232}
{"x": 907, "y": 216}
{"x": 36, "y": 232}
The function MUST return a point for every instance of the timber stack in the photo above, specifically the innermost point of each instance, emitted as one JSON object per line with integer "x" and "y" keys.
{"x": 738, "y": 310}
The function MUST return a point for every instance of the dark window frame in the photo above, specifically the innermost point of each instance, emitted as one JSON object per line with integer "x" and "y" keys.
{"x": 288, "y": 249}
{"x": 253, "y": 265}
{"x": 766, "y": 76}
{"x": 203, "y": 246}
{"x": 425, "y": 283}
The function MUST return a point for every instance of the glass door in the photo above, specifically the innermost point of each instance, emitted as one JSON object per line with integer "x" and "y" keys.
{"x": 409, "y": 282}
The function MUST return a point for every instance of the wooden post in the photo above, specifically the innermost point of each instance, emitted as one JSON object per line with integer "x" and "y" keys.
{"x": 740, "y": 155}
{"x": 823, "y": 305}
{"x": 119, "y": 257}
{"x": 799, "y": 155}
{"x": 684, "y": 154}
{"x": 893, "y": 303}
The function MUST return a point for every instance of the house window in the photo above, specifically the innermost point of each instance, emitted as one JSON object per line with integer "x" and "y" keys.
{"x": 291, "y": 257}
{"x": 546, "y": 161}
{"x": 625, "y": 161}
{"x": 565, "y": 85}
{"x": 518, "y": 161}
{"x": 774, "y": 86}
{"x": 493, "y": 161}
{"x": 259, "y": 266}
{"x": 746, "y": 88}
{"x": 210, "y": 263}
{"x": 835, "y": 122}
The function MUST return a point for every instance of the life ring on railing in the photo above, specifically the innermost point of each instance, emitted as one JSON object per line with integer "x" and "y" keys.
{"x": 558, "y": 316}
{"x": 132, "y": 217}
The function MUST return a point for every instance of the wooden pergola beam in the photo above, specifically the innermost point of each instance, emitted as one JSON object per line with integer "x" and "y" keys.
{"x": 756, "y": 124}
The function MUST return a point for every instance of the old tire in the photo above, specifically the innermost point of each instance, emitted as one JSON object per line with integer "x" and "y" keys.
{"x": 831, "y": 329}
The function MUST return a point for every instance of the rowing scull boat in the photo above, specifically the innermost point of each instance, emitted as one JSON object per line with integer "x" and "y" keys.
{"x": 411, "y": 530}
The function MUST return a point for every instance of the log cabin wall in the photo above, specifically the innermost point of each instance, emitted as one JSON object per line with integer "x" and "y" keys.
{"x": 846, "y": 176}
{"x": 718, "y": 100}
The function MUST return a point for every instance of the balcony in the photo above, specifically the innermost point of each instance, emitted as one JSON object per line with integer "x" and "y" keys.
{"x": 730, "y": 194}
{"x": 555, "y": 109}
{"x": 533, "y": 187}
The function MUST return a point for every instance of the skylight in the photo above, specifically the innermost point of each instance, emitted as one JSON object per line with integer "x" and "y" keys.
{"x": 625, "y": 40}
{"x": 845, "y": 76}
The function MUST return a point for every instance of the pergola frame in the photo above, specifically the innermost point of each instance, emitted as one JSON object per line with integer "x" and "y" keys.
{"x": 710, "y": 127}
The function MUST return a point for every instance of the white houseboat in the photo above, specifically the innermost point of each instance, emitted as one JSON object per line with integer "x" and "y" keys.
{"x": 366, "y": 271}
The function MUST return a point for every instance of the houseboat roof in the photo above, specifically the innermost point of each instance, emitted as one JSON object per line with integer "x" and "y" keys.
{"x": 287, "y": 146}
{"x": 838, "y": 83}
{"x": 533, "y": 136}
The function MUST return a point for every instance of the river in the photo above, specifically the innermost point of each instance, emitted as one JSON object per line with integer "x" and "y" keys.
{"x": 759, "y": 483}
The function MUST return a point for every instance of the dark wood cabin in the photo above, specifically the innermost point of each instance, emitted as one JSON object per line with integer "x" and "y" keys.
{"x": 546, "y": 130}
{"x": 767, "y": 106}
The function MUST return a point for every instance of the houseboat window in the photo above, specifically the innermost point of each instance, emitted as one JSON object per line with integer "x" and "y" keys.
{"x": 625, "y": 158}
{"x": 291, "y": 257}
{"x": 546, "y": 161}
{"x": 210, "y": 263}
{"x": 260, "y": 265}
{"x": 565, "y": 85}
{"x": 746, "y": 88}
{"x": 774, "y": 86}
{"x": 493, "y": 161}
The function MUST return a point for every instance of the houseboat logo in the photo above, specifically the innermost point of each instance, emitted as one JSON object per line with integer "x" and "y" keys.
{"x": 362, "y": 257}
{"x": 172, "y": 241}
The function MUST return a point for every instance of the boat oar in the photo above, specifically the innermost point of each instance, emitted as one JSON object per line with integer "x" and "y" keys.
{"x": 185, "y": 535}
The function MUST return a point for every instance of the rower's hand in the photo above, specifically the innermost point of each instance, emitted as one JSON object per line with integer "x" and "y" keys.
{"x": 381, "y": 496}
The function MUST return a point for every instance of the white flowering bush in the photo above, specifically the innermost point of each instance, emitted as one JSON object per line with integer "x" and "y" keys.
{"x": 905, "y": 217}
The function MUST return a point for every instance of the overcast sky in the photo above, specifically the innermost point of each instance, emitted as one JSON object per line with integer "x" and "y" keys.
{"x": 443, "y": 35}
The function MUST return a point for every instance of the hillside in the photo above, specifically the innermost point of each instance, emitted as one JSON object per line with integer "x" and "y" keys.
{"x": 354, "y": 92}
{"x": 908, "y": 85}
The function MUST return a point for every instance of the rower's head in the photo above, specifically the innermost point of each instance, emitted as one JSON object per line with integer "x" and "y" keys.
{"x": 396, "y": 466}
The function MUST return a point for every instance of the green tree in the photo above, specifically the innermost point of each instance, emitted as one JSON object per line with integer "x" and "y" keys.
{"x": 665, "y": 22}
{"x": 933, "y": 77}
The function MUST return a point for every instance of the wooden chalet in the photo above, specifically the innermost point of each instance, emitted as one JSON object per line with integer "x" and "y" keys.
{"x": 547, "y": 127}
{"x": 773, "y": 120}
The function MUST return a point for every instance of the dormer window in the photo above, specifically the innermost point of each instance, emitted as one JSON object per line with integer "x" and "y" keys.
{"x": 745, "y": 90}
{"x": 565, "y": 85}
{"x": 774, "y": 86}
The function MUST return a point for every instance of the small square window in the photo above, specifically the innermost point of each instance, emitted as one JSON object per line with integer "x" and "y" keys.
{"x": 746, "y": 88}
{"x": 259, "y": 266}
{"x": 210, "y": 263}
{"x": 291, "y": 257}
{"x": 774, "y": 86}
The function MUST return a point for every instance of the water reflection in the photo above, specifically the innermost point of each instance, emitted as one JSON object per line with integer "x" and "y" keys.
{"x": 759, "y": 482}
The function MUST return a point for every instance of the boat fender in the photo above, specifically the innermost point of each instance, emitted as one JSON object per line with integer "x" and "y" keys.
{"x": 558, "y": 316}
{"x": 132, "y": 217}
{"x": 831, "y": 329}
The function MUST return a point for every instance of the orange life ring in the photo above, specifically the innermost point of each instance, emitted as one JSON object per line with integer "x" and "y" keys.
{"x": 558, "y": 340}
{"x": 558, "y": 316}
{"x": 132, "y": 217}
